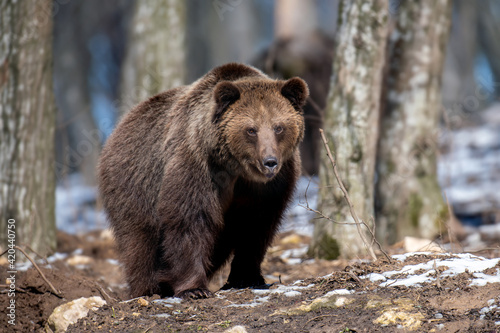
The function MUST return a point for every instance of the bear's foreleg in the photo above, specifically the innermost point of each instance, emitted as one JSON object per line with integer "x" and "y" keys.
{"x": 185, "y": 264}
{"x": 252, "y": 232}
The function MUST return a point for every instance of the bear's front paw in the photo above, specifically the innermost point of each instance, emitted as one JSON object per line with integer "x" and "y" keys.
{"x": 195, "y": 293}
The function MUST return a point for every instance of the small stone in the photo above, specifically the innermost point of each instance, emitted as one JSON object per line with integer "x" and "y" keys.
{"x": 142, "y": 302}
{"x": 69, "y": 313}
{"x": 79, "y": 260}
{"x": 236, "y": 329}
{"x": 412, "y": 244}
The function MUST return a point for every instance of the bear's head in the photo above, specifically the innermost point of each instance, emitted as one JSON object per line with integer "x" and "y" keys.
{"x": 261, "y": 122}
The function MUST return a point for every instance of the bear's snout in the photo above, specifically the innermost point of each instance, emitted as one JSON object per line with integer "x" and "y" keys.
{"x": 270, "y": 164}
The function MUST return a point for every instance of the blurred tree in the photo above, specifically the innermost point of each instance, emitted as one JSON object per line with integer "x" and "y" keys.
{"x": 27, "y": 122}
{"x": 89, "y": 38}
{"x": 409, "y": 199}
{"x": 351, "y": 120}
{"x": 156, "y": 56}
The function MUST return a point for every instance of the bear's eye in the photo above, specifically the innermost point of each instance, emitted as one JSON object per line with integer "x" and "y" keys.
{"x": 252, "y": 131}
{"x": 278, "y": 129}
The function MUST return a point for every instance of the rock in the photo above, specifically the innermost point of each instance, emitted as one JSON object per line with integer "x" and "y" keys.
{"x": 330, "y": 300}
{"x": 292, "y": 239}
{"x": 236, "y": 329}
{"x": 412, "y": 244}
{"x": 142, "y": 302}
{"x": 78, "y": 259}
{"x": 408, "y": 320}
{"x": 69, "y": 313}
{"x": 107, "y": 235}
{"x": 401, "y": 312}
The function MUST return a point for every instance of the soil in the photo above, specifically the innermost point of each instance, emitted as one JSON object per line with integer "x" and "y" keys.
{"x": 89, "y": 268}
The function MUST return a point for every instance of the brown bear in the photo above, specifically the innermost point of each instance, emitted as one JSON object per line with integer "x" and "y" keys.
{"x": 199, "y": 173}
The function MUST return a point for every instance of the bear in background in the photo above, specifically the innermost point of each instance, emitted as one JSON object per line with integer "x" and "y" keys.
{"x": 199, "y": 173}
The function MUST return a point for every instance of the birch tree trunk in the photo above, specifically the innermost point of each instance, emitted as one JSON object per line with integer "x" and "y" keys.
{"x": 409, "y": 200}
{"x": 156, "y": 51}
{"x": 351, "y": 126}
{"x": 27, "y": 122}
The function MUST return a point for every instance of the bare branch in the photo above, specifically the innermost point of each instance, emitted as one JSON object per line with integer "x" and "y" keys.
{"x": 348, "y": 200}
{"x": 54, "y": 290}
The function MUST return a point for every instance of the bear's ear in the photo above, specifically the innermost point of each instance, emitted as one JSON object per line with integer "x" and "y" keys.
{"x": 296, "y": 91}
{"x": 225, "y": 94}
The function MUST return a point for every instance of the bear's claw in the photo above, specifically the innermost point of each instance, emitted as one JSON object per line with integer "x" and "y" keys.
{"x": 197, "y": 293}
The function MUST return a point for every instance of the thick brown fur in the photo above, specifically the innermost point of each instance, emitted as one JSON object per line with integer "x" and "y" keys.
{"x": 198, "y": 173}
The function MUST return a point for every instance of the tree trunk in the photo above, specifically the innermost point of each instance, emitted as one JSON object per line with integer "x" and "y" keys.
{"x": 27, "y": 121}
{"x": 351, "y": 126}
{"x": 156, "y": 51}
{"x": 409, "y": 200}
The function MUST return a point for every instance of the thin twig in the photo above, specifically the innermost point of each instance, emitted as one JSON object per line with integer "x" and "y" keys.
{"x": 346, "y": 196}
{"x": 38, "y": 254}
{"x": 54, "y": 290}
{"x": 21, "y": 290}
{"x": 374, "y": 240}
{"x": 321, "y": 215}
{"x": 438, "y": 283}
{"x": 105, "y": 294}
{"x": 318, "y": 317}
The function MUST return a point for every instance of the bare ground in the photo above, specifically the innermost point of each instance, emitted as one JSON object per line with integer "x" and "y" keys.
{"x": 449, "y": 304}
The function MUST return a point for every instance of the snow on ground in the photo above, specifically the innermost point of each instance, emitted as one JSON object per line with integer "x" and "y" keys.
{"x": 453, "y": 264}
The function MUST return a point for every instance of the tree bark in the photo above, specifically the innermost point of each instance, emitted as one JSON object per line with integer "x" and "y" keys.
{"x": 409, "y": 200}
{"x": 351, "y": 126}
{"x": 156, "y": 51}
{"x": 27, "y": 122}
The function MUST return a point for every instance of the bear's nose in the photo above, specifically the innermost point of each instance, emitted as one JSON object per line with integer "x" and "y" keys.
{"x": 270, "y": 163}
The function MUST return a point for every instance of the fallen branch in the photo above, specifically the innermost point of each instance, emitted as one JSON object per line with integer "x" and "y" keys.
{"x": 346, "y": 196}
{"x": 21, "y": 290}
{"x": 54, "y": 290}
{"x": 105, "y": 294}
{"x": 318, "y": 317}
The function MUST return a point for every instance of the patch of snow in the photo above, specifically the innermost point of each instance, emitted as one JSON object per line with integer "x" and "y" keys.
{"x": 292, "y": 293}
{"x": 160, "y": 315}
{"x": 288, "y": 291}
{"x": 294, "y": 261}
{"x": 339, "y": 292}
{"x": 491, "y": 306}
{"x": 56, "y": 256}
{"x": 257, "y": 301}
{"x": 482, "y": 279}
{"x": 168, "y": 301}
{"x": 457, "y": 264}
{"x": 113, "y": 262}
